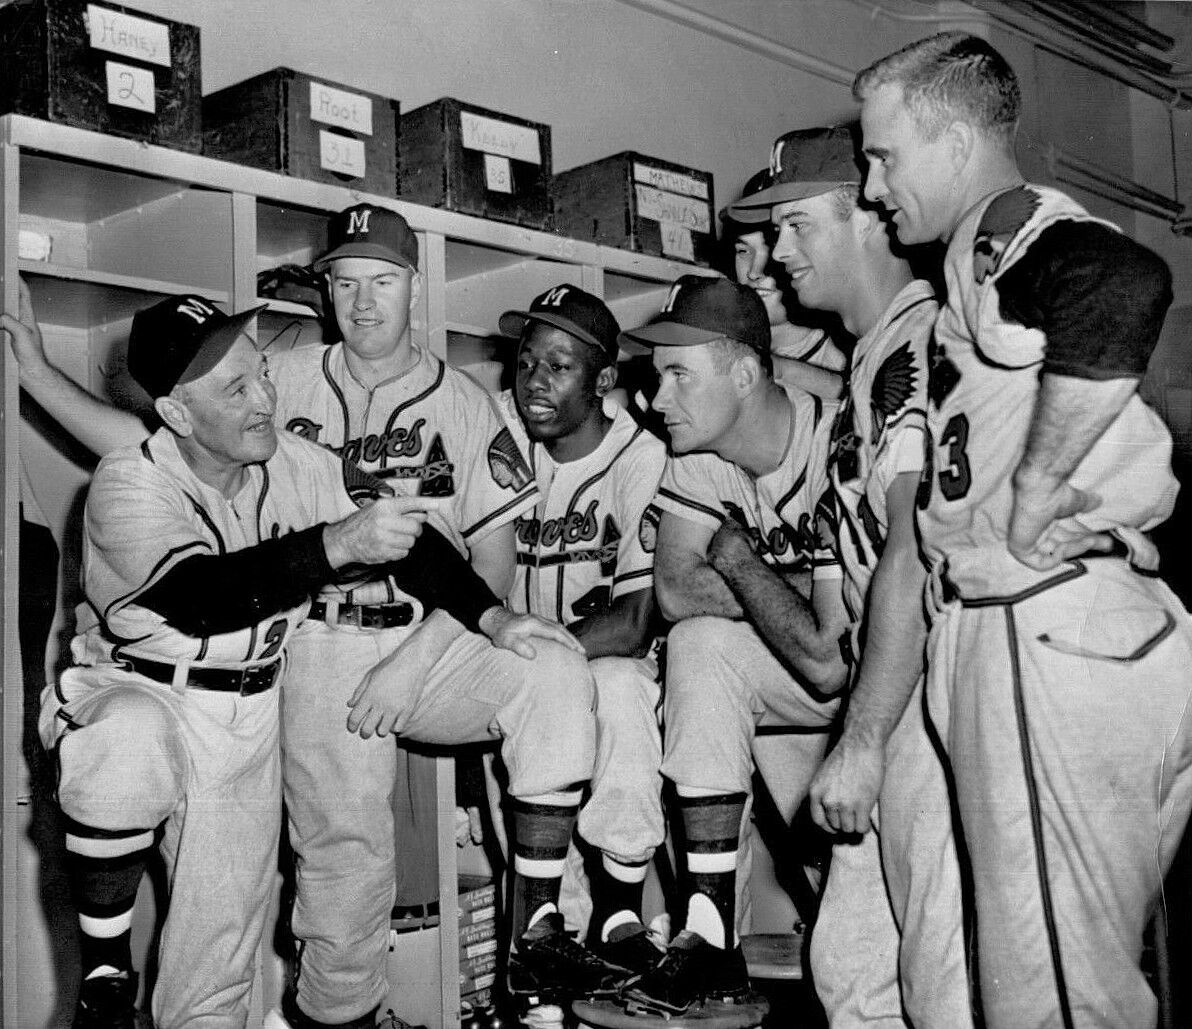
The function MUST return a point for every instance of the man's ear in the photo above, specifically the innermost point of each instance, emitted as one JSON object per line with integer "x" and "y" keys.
{"x": 415, "y": 288}
{"x": 174, "y": 413}
{"x": 747, "y": 373}
{"x": 606, "y": 379}
{"x": 960, "y": 141}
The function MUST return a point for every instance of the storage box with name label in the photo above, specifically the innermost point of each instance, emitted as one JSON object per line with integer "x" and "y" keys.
{"x": 639, "y": 203}
{"x": 476, "y": 161}
{"x": 311, "y": 128}
{"x": 104, "y": 67}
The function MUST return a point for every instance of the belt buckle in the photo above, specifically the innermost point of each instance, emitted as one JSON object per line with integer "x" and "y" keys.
{"x": 248, "y": 678}
{"x": 352, "y": 614}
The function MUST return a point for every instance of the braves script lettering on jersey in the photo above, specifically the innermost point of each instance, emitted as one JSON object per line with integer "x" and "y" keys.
{"x": 136, "y": 753}
{"x": 984, "y": 381}
{"x": 583, "y": 544}
{"x": 779, "y": 509}
{"x": 1061, "y": 697}
{"x": 432, "y": 425}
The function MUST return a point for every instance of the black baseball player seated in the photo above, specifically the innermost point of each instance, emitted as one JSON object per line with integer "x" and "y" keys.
{"x": 585, "y": 559}
{"x": 737, "y": 550}
{"x": 202, "y": 547}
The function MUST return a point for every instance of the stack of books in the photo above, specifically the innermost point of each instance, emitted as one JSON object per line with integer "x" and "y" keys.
{"x": 477, "y": 941}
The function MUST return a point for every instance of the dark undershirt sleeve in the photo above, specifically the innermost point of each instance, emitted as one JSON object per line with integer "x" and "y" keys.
{"x": 1097, "y": 295}
{"x": 441, "y": 577}
{"x": 209, "y": 594}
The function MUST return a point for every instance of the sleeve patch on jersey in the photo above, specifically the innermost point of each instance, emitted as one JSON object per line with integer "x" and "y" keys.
{"x": 893, "y": 387}
{"x": 1001, "y": 222}
{"x": 506, "y": 464}
{"x": 647, "y": 529}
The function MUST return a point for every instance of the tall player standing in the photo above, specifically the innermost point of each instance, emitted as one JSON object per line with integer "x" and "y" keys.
{"x": 1057, "y": 665}
{"x": 585, "y": 558}
{"x": 838, "y": 254}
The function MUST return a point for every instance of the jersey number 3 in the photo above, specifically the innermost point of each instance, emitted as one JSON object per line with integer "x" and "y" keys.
{"x": 956, "y": 476}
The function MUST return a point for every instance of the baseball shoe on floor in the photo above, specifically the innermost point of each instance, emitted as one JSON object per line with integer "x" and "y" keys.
{"x": 692, "y": 970}
{"x": 547, "y": 963}
{"x": 107, "y": 1002}
{"x": 631, "y": 946}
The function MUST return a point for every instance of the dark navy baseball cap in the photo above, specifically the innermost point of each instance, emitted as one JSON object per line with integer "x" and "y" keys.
{"x": 368, "y": 230}
{"x": 737, "y": 219}
{"x": 702, "y": 310}
{"x": 806, "y": 163}
{"x": 573, "y": 310}
{"x": 181, "y": 339}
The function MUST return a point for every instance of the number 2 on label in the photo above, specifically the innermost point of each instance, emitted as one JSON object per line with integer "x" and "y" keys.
{"x": 956, "y": 476}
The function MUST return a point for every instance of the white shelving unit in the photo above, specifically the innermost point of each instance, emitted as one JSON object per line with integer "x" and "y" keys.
{"x": 130, "y": 223}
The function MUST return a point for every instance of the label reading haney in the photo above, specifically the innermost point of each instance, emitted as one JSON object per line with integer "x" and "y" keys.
{"x": 498, "y": 174}
{"x": 676, "y": 241}
{"x": 662, "y": 206}
{"x": 517, "y": 142}
{"x": 334, "y": 106}
{"x": 137, "y": 38}
{"x": 672, "y": 181}
{"x": 340, "y": 154}
{"x": 130, "y": 87}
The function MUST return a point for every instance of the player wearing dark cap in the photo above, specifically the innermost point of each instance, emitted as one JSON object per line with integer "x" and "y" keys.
{"x": 804, "y": 354}
{"x": 586, "y": 560}
{"x": 838, "y": 251}
{"x": 739, "y": 554}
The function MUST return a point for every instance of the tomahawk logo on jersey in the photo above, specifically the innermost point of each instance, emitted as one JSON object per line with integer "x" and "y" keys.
{"x": 432, "y": 428}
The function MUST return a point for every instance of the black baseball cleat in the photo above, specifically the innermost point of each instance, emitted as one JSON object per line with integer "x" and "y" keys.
{"x": 691, "y": 971}
{"x": 631, "y": 946}
{"x": 548, "y": 966}
{"x": 107, "y": 1002}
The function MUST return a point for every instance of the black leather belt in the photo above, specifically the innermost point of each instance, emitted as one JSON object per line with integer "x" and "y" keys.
{"x": 245, "y": 681}
{"x": 366, "y": 616}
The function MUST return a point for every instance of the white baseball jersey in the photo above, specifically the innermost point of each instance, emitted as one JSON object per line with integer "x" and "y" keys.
{"x": 432, "y": 431}
{"x": 880, "y": 432}
{"x": 780, "y": 509}
{"x": 984, "y": 381}
{"x": 147, "y": 511}
{"x": 590, "y": 539}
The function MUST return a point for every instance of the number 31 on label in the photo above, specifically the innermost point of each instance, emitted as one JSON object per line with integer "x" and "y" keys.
{"x": 341, "y": 154}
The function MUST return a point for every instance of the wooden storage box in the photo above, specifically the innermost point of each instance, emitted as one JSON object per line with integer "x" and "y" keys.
{"x": 311, "y": 128}
{"x": 476, "y": 161}
{"x": 104, "y": 67}
{"x": 639, "y": 203}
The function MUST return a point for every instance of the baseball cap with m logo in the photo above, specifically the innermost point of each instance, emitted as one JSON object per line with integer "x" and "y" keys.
{"x": 368, "y": 230}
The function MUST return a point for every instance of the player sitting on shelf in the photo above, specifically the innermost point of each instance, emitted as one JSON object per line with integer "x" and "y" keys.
{"x": 585, "y": 559}
{"x": 738, "y": 551}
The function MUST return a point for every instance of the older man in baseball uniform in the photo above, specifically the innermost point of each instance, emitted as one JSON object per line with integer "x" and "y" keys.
{"x": 1058, "y": 666}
